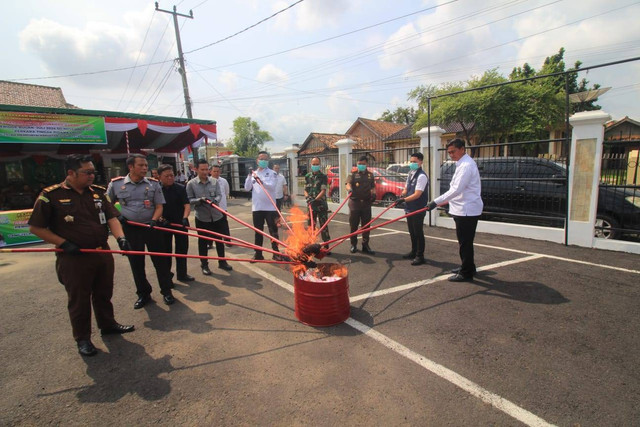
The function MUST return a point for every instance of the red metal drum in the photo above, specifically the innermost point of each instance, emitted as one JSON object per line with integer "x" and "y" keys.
{"x": 322, "y": 303}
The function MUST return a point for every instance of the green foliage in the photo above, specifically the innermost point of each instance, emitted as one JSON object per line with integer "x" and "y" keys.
{"x": 248, "y": 139}
{"x": 405, "y": 115}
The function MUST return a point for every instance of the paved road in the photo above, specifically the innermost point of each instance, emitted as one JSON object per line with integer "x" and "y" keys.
{"x": 546, "y": 334}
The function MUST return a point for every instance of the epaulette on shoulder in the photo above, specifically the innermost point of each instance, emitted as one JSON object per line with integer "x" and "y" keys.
{"x": 99, "y": 187}
{"x": 51, "y": 188}
{"x": 117, "y": 178}
{"x": 150, "y": 178}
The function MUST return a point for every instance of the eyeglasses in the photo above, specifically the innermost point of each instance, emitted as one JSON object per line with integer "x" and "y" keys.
{"x": 93, "y": 172}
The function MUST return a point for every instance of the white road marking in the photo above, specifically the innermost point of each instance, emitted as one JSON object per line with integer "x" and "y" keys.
{"x": 458, "y": 380}
{"x": 437, "y": 279}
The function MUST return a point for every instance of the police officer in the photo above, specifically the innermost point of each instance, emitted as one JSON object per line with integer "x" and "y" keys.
{"x": 74, "y": 215}
{"x": 362, "y": 187}
{"x": 141, "y": 200}
{"x": 315, "y": 191}
{"x": 415, "y": 197}
{"x": 176, "y": 210}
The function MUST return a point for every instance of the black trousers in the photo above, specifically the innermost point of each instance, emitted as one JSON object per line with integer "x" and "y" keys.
{"x": 88, "y": 279}
{"x": 466, "y": 232}
{"x": 259, "y": 218}
{"x": 217, "y": 227}
{"x": 139, "y": 237}
{"x": 415, "y": 224}
{"x": 182, "y": 247}
{"x": 359, "y": 214}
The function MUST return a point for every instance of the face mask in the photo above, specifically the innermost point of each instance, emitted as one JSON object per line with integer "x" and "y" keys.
{"x": 414, "y": 166}
{"x": 263, "y": 163}
{"x": 362, "y": 168}
{"x": 315, "y": 168}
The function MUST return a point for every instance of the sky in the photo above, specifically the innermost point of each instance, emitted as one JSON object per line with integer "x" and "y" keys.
{"x": 297, "y": 67}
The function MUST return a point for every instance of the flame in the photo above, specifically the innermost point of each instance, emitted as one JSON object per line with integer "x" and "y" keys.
{"x": 301, "y": 237}
{"x": 339, "y": 270}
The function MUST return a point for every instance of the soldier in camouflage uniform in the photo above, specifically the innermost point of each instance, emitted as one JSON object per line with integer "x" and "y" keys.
{"x": 315, "y": 191}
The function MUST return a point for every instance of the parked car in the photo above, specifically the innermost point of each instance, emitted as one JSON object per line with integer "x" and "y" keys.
{"x": 401, "y": 169}
{"x": 388, "y": 186}
{"x": 538, "y": 188}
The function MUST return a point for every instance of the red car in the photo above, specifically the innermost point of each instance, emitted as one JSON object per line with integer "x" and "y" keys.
{"x": 389, "y": 186}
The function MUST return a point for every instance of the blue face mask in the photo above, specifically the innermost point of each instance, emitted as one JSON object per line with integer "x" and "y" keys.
{"x": 315, "y": 168}
{"x": 362, "y": 168}
{"x": 414, "y": 166}
{"x": 263, "y": 163}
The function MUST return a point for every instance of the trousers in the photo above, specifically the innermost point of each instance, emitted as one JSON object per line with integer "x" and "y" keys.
{"x": 217, "y": 227}
{"x": 138, "y": 238}
{"x": 359, "y": 215}
{"x": 415, "y": 224}
{"x": 259, "y": 218}
{"x": 466, "y": 232}
{"x": 182, "y": 247}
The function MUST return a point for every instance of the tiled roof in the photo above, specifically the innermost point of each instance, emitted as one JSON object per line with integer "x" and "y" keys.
{"x": 328, "y": 143}
{"x": 379, "y": 127}
{"x": 12, "y": 93}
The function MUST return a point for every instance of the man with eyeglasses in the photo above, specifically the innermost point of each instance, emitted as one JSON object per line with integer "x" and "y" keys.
{"x": 141, "y": 200}
{"x": 465, "y": 206}
{"x": 74, "y": 215}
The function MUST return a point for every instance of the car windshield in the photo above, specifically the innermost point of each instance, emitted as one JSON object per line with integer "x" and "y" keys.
{"x": 390, "y": 177}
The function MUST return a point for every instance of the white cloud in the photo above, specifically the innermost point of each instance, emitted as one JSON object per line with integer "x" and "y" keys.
{"x": 229, "y": 80}
{"x": 272, "y": 74}
{"x": 311, "y": 15}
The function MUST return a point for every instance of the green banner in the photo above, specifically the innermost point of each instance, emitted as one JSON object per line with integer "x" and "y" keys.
{"x": 37, "y": 128}
{"x": 14, "y": 229}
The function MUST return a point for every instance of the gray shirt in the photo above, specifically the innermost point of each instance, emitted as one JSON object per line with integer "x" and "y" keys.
{"x": 137, "y": 200}
{"x": 209, "y": 189}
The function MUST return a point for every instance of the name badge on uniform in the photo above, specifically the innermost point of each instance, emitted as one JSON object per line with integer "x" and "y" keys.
{"x": 147, "y": 203}
{"x": 103, "y": 218}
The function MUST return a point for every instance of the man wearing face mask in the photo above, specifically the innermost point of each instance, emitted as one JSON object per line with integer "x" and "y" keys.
{"x": 415, "y": 197}
{"x": 315, "y": 191}
{"x": 362, "y": 187}
{"x": 262, "y": 207}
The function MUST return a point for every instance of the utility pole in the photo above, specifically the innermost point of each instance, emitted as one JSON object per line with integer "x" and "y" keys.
{"x": 182, "y": 70}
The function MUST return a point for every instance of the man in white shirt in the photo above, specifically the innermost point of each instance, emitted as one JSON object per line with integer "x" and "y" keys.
{"x": 282, "y": 191}
{"x": 224, "y": 194}
{"x": 263, "y": 209}
{"x": 465, "y": 206}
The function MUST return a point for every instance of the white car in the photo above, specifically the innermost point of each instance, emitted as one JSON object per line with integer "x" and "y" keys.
{"x": 399, "y": 169}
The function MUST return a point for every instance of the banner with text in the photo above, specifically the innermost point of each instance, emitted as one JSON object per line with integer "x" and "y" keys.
{"x": 14, "y": 229}
{"x": 39, "y": 128}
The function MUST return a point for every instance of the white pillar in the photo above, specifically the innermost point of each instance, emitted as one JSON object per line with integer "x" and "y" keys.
{"x": 434, "y": 172}
{"x": 584, "y": 175}
{"x": 345, "y": 161}
{"x": 292, "y": 155}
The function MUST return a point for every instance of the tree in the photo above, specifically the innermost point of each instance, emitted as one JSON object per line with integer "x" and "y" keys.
{"x": 248, "y": 139}
{"x": 405, "y": 115}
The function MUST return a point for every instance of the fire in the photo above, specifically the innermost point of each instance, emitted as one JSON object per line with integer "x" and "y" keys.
{"x": 301, "y": 237}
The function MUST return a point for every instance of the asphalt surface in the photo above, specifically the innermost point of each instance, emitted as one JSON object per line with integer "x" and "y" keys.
{"x": 545, "y": 334}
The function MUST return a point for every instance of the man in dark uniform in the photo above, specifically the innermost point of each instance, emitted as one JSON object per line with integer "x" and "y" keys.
{"x": 362, "y": 187}
{"x": 176, "y": 210}
{"x": 315, "y": 191}
{"x": 141, "y": 200}
{"x": 74, "y": 215}
{"x": 415, "y": 197}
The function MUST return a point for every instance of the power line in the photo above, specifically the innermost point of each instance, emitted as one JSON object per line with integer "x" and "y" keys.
{"x": 246, "y": 29}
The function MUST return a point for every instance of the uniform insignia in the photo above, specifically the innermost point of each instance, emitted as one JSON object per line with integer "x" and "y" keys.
{"x": 357, "y": 184}
{"x": 98, "y": 187}
{"x": 52, "y": 187}
{"x": 123, "y": 188}
{"x": 95, "y": 196}
{"x": 64, "y": 200}
{"x": 44, "y": 199}
{"x": 68, "y": 218}
{"x": 117, "y": 178}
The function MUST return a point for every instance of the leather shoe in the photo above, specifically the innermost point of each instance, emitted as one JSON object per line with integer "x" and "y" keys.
{"x": 225, "y": 266}
{"x": 460, "y": 278}
{"x": 117, "y": 329}
{"x": 367, "y": 250}
{"x": 353, "y": 249}
{"x": 168, "y": 299}
{"x": 141, "y": 302}
{"x": 257, "y": 257}
{"x": 410, "y": 255}
{"x": 456, "y": 270}
{"x": 206, "y": 271}
{"x": 186, "y": 278}
{"x": 418, "y": 261}
{"x": 86, "y": 348}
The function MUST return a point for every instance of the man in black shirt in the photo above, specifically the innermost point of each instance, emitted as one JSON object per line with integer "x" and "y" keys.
{"x": 176, "y": 210}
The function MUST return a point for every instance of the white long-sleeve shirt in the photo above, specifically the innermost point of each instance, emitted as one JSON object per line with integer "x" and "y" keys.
{"x": 464, "y": 190}
{"x": 224, "y": 192}
{"x": 259, "y": 199}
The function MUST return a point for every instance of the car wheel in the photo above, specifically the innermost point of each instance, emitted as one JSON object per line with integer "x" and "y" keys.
{"x": 606, "y": 227}
{"x": 335, "y": 196}
{"x": 388, "y": 199}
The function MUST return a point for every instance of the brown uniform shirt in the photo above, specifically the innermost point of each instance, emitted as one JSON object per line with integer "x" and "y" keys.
{"x": 362, "y": 186}
{"x": 74, "y": 216}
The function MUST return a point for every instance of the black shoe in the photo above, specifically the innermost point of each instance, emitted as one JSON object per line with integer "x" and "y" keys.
{"x": 117, "y": 329}
{"x": 86, "y": 348}
{"x": 206, "y": 271}
{"x": 460, "y": 278}
{"x": 418, "y": 261}
{"x": 353, "y": 249}
{"x": 456, "y": 270}
{"x": 186, "y": 278}
{"x": 367, "y": 250}
{"x": 327, "y": 251}
{"x": 225, "y": 266}
{"x": 172, "y": 285}
{"x": 257, "y": 257}
{"x": 410, "y": 255}
{"x": 142, "y": 301}
{"x": 168, "y": 299}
